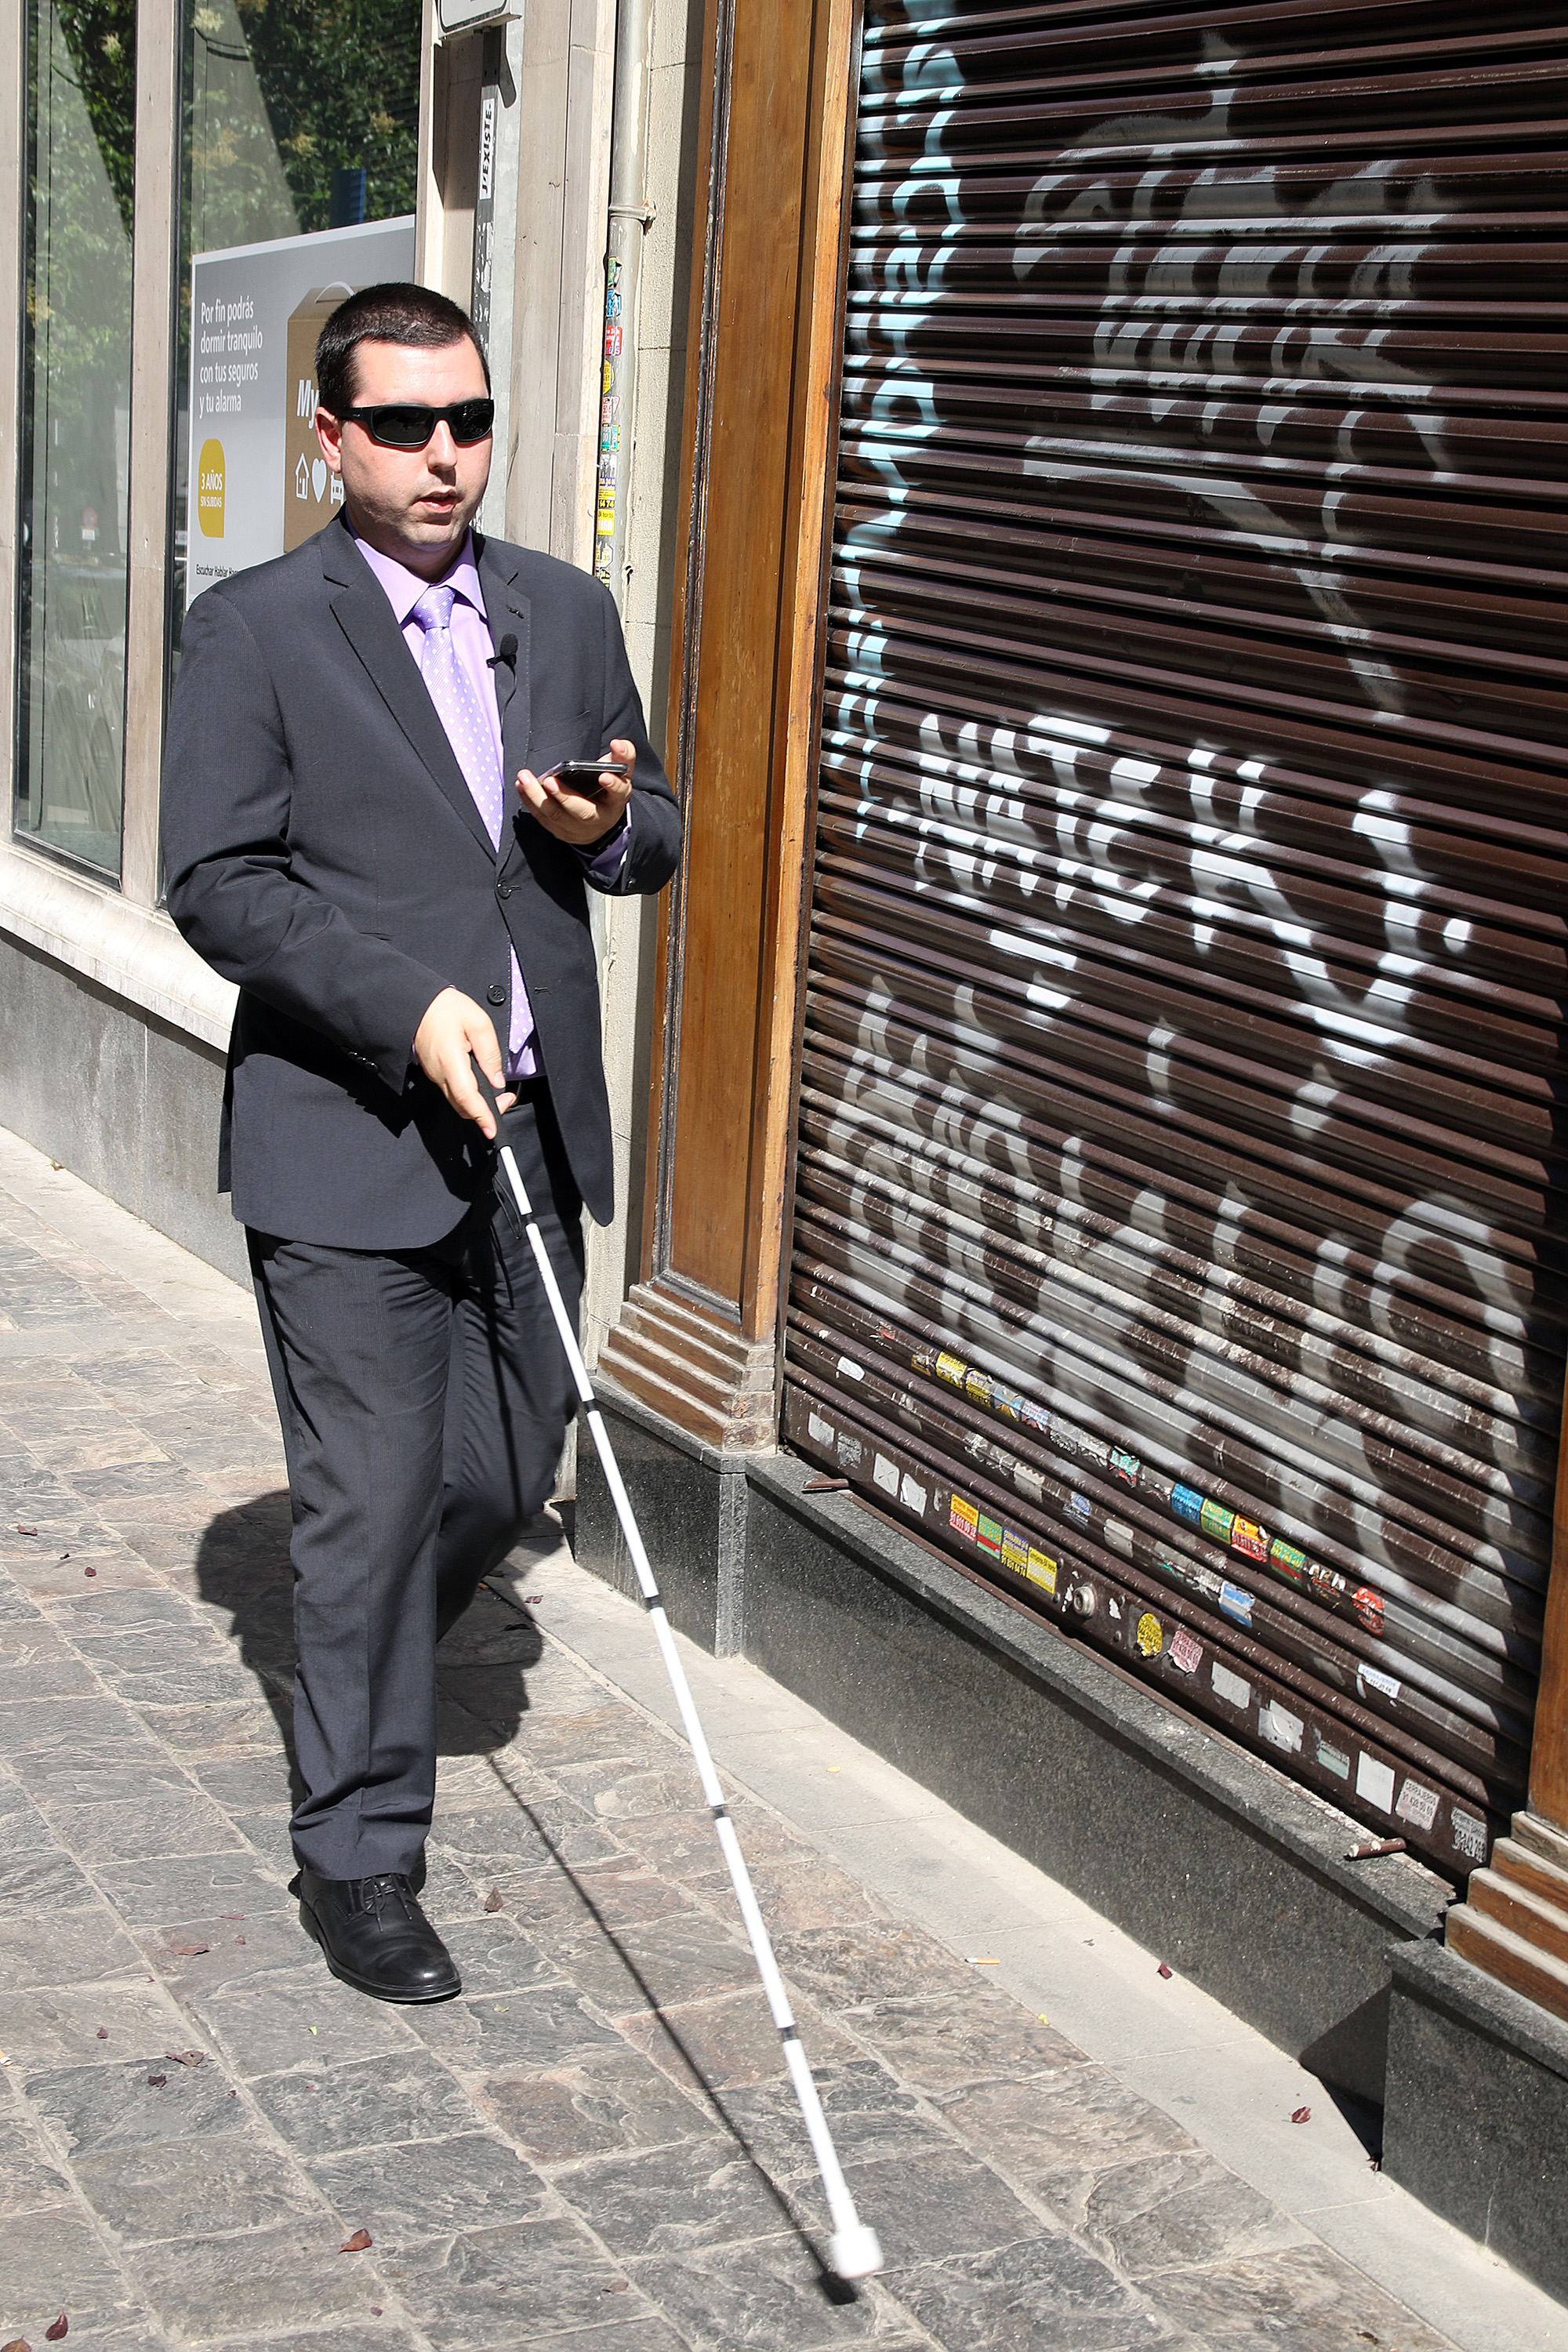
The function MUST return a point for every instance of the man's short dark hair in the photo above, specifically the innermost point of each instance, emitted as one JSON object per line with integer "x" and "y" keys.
{"x": 414, "y": 315}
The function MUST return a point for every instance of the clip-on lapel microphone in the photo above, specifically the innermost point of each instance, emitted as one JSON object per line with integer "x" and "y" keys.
{"x": 505, "y": 652}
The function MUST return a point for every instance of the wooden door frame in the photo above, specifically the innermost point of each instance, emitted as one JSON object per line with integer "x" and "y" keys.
{"x": 765, "y": 330}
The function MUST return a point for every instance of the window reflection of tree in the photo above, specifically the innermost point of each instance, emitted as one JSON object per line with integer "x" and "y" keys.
{"x": 81, "y": 62}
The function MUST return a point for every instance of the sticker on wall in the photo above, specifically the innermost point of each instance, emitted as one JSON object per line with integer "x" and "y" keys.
{"x": 1374, "y": 1782}
{"x": 1290, "y": 1563}
{"x": 1229, "y": 1686}
{"x": 886, "y": 1474}
{"x": 1187, "y": 1651}
{"x": 850, "y": 1370}
{"x": 1469, "y": 1835}
{"x": 1368, "y": 1607}
{"x": 912, "y": 1495}
{"x": 821, "y": 1432}
{"x": 1215, "y": 1521}
{"x": 1041, "y": 1569}
{"x": 1235, "y": 1603}
{"x": 1332, "y": 1759}
{"x": 1280, "y": 1728}
{"x": 210, "y": 476}
{"x": 1417, "y": 1805}
{"x": 963, "y": 1519}
{"x": 1246, "y": 1537}
{"x": 1150, "y": 1635}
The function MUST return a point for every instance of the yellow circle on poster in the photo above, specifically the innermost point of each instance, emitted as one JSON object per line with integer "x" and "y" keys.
{"x": 1150, "y": 1636}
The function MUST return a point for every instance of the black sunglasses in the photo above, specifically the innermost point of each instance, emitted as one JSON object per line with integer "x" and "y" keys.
{"x": 397, "y": 427}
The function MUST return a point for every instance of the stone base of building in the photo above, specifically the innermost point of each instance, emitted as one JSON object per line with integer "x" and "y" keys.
{"x": 124, "y": 1098}
{"x": 1476, "y": 2120}
{"x": 1206, "y": 1853}
{"x": 690, "y": 1502}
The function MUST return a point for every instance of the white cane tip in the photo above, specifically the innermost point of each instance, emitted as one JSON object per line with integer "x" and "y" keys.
{"x": 854, "y": 2253}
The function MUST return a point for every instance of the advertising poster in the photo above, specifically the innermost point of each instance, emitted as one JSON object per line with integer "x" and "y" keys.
{"x": 259, "y": 483}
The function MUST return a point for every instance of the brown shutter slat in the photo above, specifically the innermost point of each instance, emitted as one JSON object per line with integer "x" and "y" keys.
{"x": 1179, "y": 1235}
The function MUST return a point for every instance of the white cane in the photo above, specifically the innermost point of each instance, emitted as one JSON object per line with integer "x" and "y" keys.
{"x": 853, "y": 2252}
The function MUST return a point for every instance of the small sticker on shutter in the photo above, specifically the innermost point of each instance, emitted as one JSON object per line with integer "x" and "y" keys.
{"x": 1229, "y": 1686}
{"x": 1281, "y": 1727}
{"x": 1417, "y": 1805}
{"x": 1374, "y": 1782}
{"x": 1469, "y": 1835}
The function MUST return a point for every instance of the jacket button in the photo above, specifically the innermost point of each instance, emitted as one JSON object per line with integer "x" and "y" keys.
{"x": 496, "y": 992}
{"x": 503, "y": 890}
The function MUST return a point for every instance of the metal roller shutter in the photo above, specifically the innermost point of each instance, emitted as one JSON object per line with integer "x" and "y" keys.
{"x": 1178, "y": 1223}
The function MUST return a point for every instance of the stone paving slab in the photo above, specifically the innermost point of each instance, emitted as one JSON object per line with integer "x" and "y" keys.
{"x": 594, "y": 2146}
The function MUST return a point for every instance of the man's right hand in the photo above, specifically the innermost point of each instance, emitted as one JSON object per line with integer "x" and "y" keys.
{"x": 454, "y": 1027}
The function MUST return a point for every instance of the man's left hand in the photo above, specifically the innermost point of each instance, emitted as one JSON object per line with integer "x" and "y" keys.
{"x": 570, "y": 817}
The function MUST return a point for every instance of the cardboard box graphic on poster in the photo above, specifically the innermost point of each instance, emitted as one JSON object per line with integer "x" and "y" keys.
{"x": 259, "y": 483}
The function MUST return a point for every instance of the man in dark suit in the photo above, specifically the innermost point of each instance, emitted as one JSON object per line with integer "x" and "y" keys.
{"x": 364, "y": 828}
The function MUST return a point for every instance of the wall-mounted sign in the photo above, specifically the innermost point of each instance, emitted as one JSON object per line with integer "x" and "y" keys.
{"x": 454, "y": 16}
{"x": 259, "y": 483}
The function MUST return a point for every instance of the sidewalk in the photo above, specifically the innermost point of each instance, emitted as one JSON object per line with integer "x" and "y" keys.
{"x": 594, "y": 2146}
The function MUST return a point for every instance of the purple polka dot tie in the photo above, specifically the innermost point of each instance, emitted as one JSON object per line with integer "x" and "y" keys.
{"x": 457, "y": 706}
{"x": 469, "y": 732}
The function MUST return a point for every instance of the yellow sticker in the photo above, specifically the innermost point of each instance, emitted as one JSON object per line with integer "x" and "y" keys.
{"x": 963, "y": 1517}
{"x": 211, "y": 479}
{"x": 1042, "y": 1570}
{"x": 1150, "y": 1635}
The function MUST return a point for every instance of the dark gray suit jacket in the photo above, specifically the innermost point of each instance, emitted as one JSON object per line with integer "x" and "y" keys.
{"x": 323, "y": 849}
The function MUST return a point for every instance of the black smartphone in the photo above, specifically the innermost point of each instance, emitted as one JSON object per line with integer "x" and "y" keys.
{"x": 582, "y": 775}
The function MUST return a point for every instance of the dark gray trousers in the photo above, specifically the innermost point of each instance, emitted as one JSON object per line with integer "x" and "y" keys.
{"x": 424, "y": 1397}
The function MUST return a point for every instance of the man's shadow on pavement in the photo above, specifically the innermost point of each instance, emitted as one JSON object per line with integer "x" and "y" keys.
{"x": 242, "y": 1565}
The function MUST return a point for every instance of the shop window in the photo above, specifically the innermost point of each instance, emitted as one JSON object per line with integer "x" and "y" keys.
{"x": 76, "y": 418}
{"x": 299, "y": 153}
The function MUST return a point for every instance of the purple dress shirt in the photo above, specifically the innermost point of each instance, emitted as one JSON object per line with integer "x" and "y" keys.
{"x": 472, "y": 644}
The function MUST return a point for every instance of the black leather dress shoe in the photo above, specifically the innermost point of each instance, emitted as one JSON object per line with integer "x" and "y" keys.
{"x": 376, "y": 1938}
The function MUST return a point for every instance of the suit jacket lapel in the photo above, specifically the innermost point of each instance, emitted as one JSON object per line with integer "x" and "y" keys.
{"x": 509, "y": 615}
{"x": 366, "y": 620}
